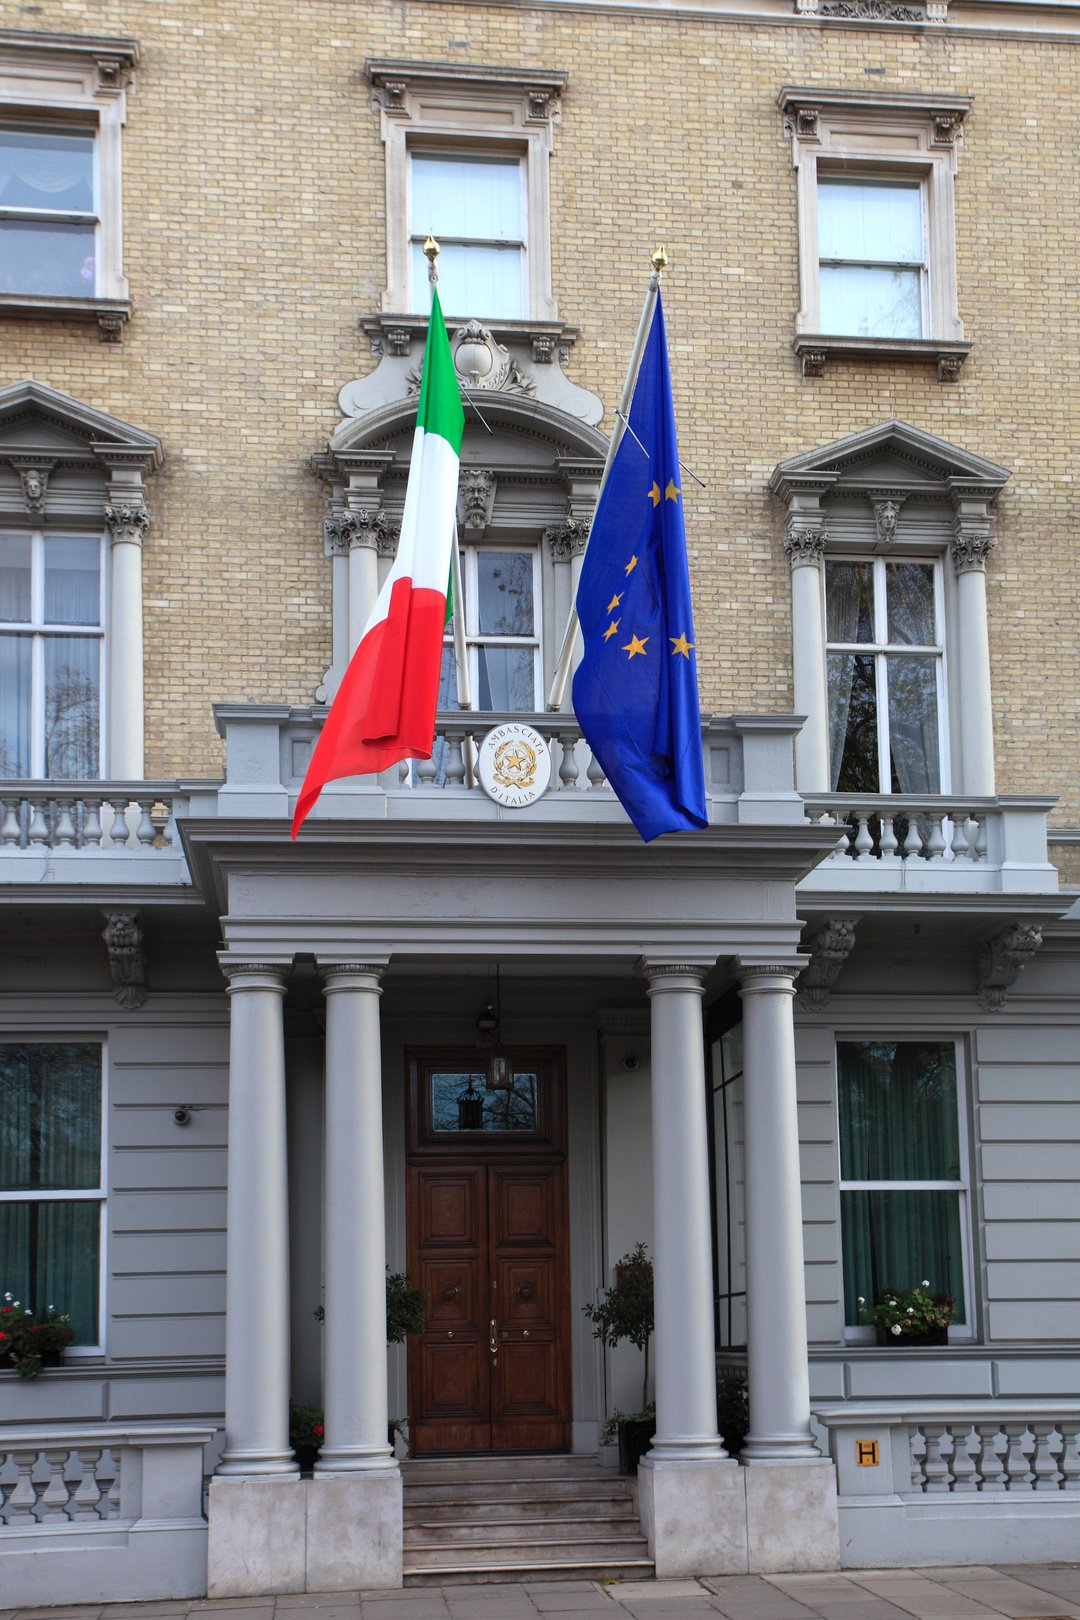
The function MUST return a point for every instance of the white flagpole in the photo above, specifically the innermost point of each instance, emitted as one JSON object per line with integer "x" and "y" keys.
{"x": 566, "y": 651}
{"x": 461, "y": 657}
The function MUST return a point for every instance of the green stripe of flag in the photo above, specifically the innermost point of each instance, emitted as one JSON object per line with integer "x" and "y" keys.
{"x": 440, "y": 410}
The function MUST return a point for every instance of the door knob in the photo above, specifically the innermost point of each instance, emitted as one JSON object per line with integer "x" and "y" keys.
{"x": 494, "y": 1341}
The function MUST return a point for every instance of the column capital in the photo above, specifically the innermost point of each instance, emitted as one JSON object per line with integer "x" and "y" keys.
{"x": 255, "y": 976}
{"x": 773, "y": 976}
{"x": 340, "y": 975}
{"x": 674, "y": 975}
{"x": 127, "y": 522}
{"x": 972, "y": 544}
{"x": 805, "y": 546}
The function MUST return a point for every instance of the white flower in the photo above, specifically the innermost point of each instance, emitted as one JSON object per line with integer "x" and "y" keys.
{"x": 895, "y": 1329}
{"x": 893, "y": 1302}
{"x": 911, "y": 1310}
{"x": 8, "y": 1298}
{"x": 861, "y": 1300}
{"x": 925, "y": 1283}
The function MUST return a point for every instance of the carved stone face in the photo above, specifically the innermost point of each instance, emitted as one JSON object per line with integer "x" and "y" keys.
{"x": 33, "y": 486}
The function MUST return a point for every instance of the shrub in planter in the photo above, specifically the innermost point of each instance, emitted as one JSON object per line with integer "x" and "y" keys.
{"x": 910, "y": 1316}
{"x": 626, "y": 1312}
{"x": 732, "y": 1411}
{"x": 306, "y": 1428}
{"x": 28, "y": 1342}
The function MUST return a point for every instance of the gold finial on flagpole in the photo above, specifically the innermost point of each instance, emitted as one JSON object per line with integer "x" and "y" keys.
{"x": 431, "y": 253}
{"x": 658, "y": 260}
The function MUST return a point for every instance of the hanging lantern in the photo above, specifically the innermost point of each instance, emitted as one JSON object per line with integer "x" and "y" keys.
{"x": 470, "y": 1108}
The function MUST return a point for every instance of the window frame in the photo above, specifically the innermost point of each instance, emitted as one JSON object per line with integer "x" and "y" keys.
{"x": 75, "y": 82}
{"x": 438, "y": 107}
{"x": 882, "y": 651}
{"x": 99, "y": 1194}
{"x": 38, "y": 630}
{"x": 907, "y": 138}
{"x": 827, "y": 175}
{"x": 475, "y": 639}
{"x": 419, "y": 298}
{"x": 959, "y": 1332}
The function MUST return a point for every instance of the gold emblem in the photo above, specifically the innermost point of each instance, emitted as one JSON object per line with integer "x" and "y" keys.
{"x": 515, "y": 764}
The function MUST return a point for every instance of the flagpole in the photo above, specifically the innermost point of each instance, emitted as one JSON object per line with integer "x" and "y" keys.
{"x": 566, "y": 651}
{"x": 461, "y": 657}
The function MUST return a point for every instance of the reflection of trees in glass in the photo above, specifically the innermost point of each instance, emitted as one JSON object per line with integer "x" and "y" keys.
{"x": 898, "y": 1119}
{"x": 50, "y": 1115}
{"x": 71, "y": 724}
{"x": 511, "y": 1110}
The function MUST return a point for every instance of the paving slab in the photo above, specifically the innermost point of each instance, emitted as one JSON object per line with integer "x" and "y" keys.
{"x": 1014, "y": 1598}
{"x": 655, "y": 1591}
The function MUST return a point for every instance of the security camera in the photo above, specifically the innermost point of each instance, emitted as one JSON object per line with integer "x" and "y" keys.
{"x": 631, "y": 1061}
{"x": 182, "y": 1116}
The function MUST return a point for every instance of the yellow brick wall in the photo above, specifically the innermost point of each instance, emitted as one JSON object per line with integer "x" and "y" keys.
{"x": 254, "y": 220}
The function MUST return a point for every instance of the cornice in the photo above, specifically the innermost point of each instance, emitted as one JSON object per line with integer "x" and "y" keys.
{"x": 387, "y": 71}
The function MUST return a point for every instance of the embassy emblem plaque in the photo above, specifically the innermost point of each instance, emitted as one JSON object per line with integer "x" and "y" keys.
{"x": 514, "y": 765}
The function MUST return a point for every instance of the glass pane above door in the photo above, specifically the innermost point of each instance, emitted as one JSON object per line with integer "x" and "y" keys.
{"x": 461, "y": 1102}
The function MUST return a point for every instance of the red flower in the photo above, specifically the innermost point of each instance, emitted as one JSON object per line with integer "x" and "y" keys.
{"x": 3, "y": 1335}
{"x": 318, "y": 1428}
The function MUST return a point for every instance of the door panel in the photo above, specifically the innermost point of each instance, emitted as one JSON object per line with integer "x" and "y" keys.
{"x": 487, "y": 1242}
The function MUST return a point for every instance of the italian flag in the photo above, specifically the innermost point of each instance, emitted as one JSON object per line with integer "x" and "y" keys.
{"x": 385, "y": 706}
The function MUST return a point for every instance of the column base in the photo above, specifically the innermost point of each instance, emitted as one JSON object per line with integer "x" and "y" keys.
{"x": 355, "y": 1460}
{"x": 241, "y": 1464}
{"x": 796, "y": 1447}
{"x": 314, "y": 1535}
{"x": 694, "y": 1516}
{"x": 791, "y": 1518}
{"x": 687, "y": 1448}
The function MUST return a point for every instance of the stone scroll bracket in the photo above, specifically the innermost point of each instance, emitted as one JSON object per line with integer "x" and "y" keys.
{"x": 830, "y": 945}
{"x": 1001, "y": 961}
{"x": 123, "y": 936}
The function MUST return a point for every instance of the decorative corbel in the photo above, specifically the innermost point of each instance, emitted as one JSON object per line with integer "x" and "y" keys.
{"x": 830, "y": 946}
{"x": 886, "y": 504}
{"x": 476, "y": 498}
{"x": 34, "y": 477}
{"x": 123, "y": 938}
{"x": 1001, "y": 961}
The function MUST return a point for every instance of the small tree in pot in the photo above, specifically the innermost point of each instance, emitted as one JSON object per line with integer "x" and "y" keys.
{"x": 626, "y": 1312}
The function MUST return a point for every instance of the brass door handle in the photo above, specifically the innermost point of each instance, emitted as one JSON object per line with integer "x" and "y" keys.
{"x": 494, "y": 1342}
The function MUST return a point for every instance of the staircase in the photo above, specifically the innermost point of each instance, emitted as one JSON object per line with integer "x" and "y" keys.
{"x": 520, "y": 1518}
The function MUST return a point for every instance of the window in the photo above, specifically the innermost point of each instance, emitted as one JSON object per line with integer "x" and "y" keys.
{"x": 876, "y": 222}
{"x": 51, "y": 622}
{"x": 885, "y": 675}
{"x": 62, "y": 110}
{"x": 729, "y": 1187}
{"x": 903, "y": 1170}
{"x": 467, "y": 160}
{"x": 51, "y": 1182}
{"x": 474, "y": 206}
{"x": 502, "y": 631}
{"x": 872, "y": 257}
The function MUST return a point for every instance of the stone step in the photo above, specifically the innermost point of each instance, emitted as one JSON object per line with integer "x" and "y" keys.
{"x": 489, "y": 1467}
{"x": 517, "y": 1490}
{"x": 521, "y": 1533}
{"x": 626, "y": 1569}
{"x": 485, "y": 1555}
{"x": 480, "y": 1510}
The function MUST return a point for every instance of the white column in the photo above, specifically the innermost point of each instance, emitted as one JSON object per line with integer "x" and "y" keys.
{"x": 354, "y": 1353}
{"x": 971, "y": 546}
{"x": 127, "y": 524}
{"x": 257, "y": 1281}
{"x": 363, "y": 577}
{"x": 684, "y": 1337}
{"x": 777, "y": 1370}
{"x": 805, "y": 548}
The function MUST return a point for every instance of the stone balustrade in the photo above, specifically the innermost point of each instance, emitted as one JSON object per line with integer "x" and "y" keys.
{"x": 116, "y": 816}
{"x": 130, "y": 1498}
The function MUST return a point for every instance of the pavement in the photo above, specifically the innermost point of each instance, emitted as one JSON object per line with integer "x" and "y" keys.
{"x": 1018, "y": 1592}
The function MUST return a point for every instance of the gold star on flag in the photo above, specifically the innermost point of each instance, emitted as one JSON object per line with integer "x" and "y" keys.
{"x": 673, "y": 491}
{"x": 631, "y": 565}
{"x": 654, "y": 494}
{"x": 679, "y": 644}
{"x": 613, "y": 604}
{"x": 634, "y": 646}
{"x": 611, "y": 629}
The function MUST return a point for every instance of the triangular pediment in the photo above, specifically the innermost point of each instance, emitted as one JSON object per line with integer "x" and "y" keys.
{"x": 37, "y": 421}
{"x": 892, "y": 455}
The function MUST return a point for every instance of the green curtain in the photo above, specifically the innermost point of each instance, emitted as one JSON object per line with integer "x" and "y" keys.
{"x": 898, "y": 1122}
{"x": 50, "y": 1139}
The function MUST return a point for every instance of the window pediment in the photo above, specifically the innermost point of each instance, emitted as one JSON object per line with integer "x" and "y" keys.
{"x": 34, "y": 418}
{"x": 892, "y": 454}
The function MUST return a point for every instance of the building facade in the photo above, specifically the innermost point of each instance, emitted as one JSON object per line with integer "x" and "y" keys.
{"x": 825, "y": 1047}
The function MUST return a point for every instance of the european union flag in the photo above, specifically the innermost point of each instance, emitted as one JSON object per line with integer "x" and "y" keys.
{"x": 635, "y": 690}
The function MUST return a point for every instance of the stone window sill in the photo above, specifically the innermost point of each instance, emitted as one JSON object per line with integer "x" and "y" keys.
{"x": 816, "y": 350}
{"x": 109, "y": 314}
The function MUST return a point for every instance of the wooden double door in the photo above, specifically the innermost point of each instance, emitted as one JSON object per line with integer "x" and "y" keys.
{"x": 487, "y": 1244}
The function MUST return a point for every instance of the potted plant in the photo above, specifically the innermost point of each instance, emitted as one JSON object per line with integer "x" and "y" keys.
{"x": 910, "y": 1316}
{"x": 732, "y": 1410}
{"x": 626, "y": 1312}
{"x": 404, "y": 1314}
{"x": 32, "y": 1342}
{"x": 306, "y": 1429}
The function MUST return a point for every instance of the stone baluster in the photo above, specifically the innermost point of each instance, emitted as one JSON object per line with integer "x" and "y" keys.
{"x": 455, "y": 757}
{"x": 935, "y": 843}
{"x": 1043, "y": 1462}
{"x": 10, "y": 831}
{"x": 1070, "y": 1456}
{"x": 595, "y": 771}
{"x": 964, "y": 1472}
{"x": 935, "y": 1467}
{"x": 913, "y": 837}
{"x": 888, "y": 842}
{"x": 864, "y": 839}
{"x": 39, "y": 826}
{"x": 404, "y": 772}
{"x": 119, "y": 830}
{"x": 63, "y": 825}
{"x": 959, "y": 838}
{"x": 427, "y": 770}
{"x": 55, "y": 1497}
{"x": 91, "y": 832}
{"x": 917, "y": 1451}
{"x": 86, "y": 1501}
{"x": 22, "y": 1502}
{"x": 1018, "y": 1477}
{"x": 991, "y": 1467}
{"x": 113, "y": 1499}
{"x": 568, "y": 765}
{"x": 980, "y": 837}
{"x": 145, "y": 832}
